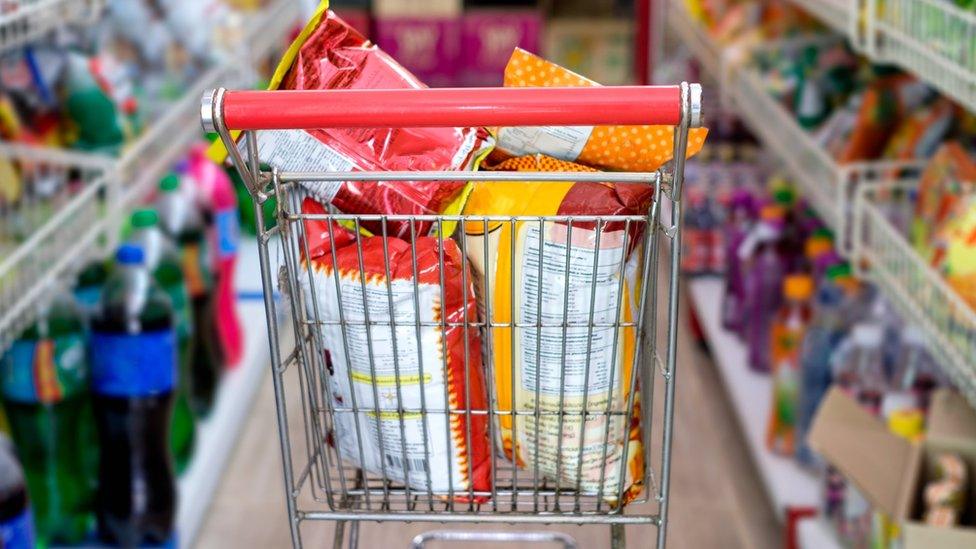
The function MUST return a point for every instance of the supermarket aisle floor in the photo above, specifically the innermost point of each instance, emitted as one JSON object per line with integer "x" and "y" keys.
{"x": 717, "y": 499}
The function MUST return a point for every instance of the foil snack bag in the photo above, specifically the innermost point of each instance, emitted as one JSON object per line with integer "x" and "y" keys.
{"x": 585, "y": 276}
{"x": 329, "y": 54}
{"x": 391, "y": 316}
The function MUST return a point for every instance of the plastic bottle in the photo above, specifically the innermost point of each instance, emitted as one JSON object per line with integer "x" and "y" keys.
{"x": 763, "y": 271}
{"x": 217, "y": 192}
{"x": 858, "y": 365}
{"x": 915, "y": 370}
{"x": 814, "y": 249}
{"x": 45, "y": 393}
{"x": 180, "y": 220}
{"x": 698, "y": 230}
{"x": 825, "y": 332}
{"x": 16, "y": 523}
{"x": 163, "y": 262}
{"x": 787, "y": 336}
{"x": 134, "y": 374}
{"x": 99, "y": 125}
{"x": 88, "y": 287}
{"x": 738, "y": 224}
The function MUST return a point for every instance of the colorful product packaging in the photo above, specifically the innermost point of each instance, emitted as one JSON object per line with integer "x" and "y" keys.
{"x": 602, "y": 49}
{"x": 947, "y": 179}
{"x": 525, "y": 268}
{"x": 329, "y": 54}
{"x": 427, "y": 46}
{"x": 392, "y": 315}
{"x": 628, "y": 148}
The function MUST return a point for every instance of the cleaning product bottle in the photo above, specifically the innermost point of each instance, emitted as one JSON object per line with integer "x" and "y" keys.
{"x": 858, "y": 365}
{"x": 697, "y": 232}
{"x": 764, "y": 268}
{"x": 787, "y": 335}
{"x": 741, "y": 216}
{"x": 217, "y": 192}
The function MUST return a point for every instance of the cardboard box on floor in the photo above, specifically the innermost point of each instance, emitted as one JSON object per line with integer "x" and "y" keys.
{"x": 891, "y": 471}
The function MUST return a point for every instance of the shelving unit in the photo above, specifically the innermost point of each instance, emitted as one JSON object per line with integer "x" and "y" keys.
{"x": 73, "y": 230}
{"x": 865, "y": 233}
{"x": 54, "y": 234}
{"x": 787, "y": 484}
{"x": 23, "y": 21}
{"x": 883, "y": 254}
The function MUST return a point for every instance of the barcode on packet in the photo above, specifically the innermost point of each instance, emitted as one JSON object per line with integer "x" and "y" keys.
{"x": 413, "y": 464}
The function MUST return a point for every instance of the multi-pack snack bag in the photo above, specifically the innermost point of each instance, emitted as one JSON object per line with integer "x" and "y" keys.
{"x": 561, "y": 301}
{"x": 392, "y": 318}
{"x": 628, "y": 148}
{"x": 329, "y": 54}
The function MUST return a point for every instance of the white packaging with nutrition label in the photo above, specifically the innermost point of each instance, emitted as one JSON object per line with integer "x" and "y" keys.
{"x": 398, "y": 356}
{"x": 572, "y": 290}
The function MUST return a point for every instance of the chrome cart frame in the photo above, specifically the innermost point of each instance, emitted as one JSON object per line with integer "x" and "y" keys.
{"x": 326, "y": 481}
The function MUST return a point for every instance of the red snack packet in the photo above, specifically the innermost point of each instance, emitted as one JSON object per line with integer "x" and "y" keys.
{"x": 369, "y": 358}
{"x": 330, "y": 54}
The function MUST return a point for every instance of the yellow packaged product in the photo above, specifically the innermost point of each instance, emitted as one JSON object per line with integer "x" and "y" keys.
{"x": 616, "y": 148}
{"x": 560, "y": 299}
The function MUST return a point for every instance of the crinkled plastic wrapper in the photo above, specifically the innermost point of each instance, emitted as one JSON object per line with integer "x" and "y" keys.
{"x": 332, "y": 55}
{"x": 545, "y": 277}
{"x": 616, "y": 148}
{"x": 362, "y": 285}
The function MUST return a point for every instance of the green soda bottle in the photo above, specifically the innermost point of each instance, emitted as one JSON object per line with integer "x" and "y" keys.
{"x": 182, "y": 222}
{"x": 45, "y": 393}
{"x": 162, "y": 260}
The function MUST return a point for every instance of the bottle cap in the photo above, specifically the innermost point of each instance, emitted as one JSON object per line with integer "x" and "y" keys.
{"x": 169, "y": 183}
{"x": 909, "y": 424}
{"x": 798, "y": 287}
{"x": 839, "y": 270}
{"x": 129, "y": 254}
{"x": 824, "y": 232}
{"x": 867, "y": 334}
{"x": 783, "y": 196}
{"x": 771, "y": 212}
{"x": 816, "y": 246}
{"x": 146, "y": 217}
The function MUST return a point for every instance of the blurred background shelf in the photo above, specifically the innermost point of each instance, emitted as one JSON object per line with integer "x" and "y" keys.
{"x": 57, "y": 237}
{"x": 22, "y": 21}
{"x": 816, "y": 533}
{"x": 787, "y": 485}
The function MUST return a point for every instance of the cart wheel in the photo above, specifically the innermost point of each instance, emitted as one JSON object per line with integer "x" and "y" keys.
{"x": 617, "y": 538}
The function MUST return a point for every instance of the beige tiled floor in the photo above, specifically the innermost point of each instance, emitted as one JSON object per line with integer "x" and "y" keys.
{"x": 717, "y": 500}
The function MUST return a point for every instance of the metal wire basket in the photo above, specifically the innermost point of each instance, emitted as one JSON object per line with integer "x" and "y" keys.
{"x": 555, "y": 391}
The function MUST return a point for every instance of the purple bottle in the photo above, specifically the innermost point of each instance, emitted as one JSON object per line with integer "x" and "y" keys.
{"x": 764, "y": 266}
{"x": 739, "y": 221}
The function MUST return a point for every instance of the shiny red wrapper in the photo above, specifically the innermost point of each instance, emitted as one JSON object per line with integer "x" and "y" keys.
{"x": 336, "y": 56}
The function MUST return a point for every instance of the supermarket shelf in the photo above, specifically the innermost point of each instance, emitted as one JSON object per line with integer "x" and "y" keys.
{"x": 816, "y": 533}
{"x": 218, "y": 434}
{"x": 787, "y": 484}
{"x": 43, "y": 240}
{"x": 883, "y": 254}
{"x": 68, "y": 232}
{"x": 933, "y": 39}
{"x": 23, "y": 21}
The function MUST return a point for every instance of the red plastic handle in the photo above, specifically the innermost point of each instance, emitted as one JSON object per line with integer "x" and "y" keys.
{"x": 449, "y": 107}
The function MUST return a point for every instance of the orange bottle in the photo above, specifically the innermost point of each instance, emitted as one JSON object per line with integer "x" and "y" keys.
{"x": 788, "y": 329}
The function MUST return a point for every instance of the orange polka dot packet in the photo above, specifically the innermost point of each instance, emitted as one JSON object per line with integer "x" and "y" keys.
{"x": 619, "y": 148}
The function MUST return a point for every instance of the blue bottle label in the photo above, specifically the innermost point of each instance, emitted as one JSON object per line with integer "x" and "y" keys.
{"x": 228, "y": 232}
{"x": 138, "y": 365}
{"x": 44, "y": 370}
{"x": 18, "y": 532}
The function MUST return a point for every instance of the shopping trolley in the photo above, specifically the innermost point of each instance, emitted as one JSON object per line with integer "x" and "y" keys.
{"x": 325, "y": 482}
